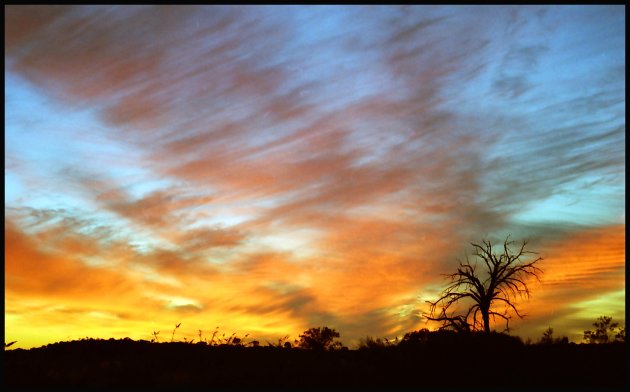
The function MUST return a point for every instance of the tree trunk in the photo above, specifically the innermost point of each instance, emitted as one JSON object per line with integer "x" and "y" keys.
{"x": 486, "y": 320}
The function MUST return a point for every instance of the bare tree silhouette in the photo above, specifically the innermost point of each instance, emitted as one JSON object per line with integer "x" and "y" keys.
{"x": 502, "y": 280}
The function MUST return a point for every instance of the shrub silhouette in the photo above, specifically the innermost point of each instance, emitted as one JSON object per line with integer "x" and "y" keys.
{"x": 320, "y": 339}
{"x": 449, "y": 338}
{"x": 416, "y": 337}
{"x": 502, "y": 282}
{"x": 547, "y": 338}
{"x": 375, "y": 343}
{"x": 282, "y": 343}
{"x": 605, "y": 331}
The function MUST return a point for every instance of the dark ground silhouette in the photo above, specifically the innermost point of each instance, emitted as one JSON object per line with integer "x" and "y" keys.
{"x": 421, "y": 361}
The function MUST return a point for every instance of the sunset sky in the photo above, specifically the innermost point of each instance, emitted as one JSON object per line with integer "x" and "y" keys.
{"x": 267, "y": 169}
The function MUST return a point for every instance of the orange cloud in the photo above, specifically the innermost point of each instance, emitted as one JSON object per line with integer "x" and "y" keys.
{"x": 133, "y": 293}
{"x": 32, "y": 271}
{"x": 579, "y": 267}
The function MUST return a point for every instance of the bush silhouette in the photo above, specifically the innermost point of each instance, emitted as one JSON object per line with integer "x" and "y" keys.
{"x": 375, "y": 343}
{"x": 320, "y": 339}
{"x": 547, "y": 338}
{"x": 605, "y": 331}
{"x": 444, "y": 338}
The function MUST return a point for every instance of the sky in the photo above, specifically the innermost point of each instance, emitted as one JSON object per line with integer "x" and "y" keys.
{"x": 267, "y": 169}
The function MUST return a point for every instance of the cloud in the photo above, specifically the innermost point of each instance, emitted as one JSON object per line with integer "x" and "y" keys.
{"x": 517, "y": 66}
{"x": 58, "y": 272}
{"x": 48, "y": 279}
{"x": 157, "y": 209}
{"x": 188, "y": 308}
{"x": 200, "y": 239}
{"x": 578, "y": 267}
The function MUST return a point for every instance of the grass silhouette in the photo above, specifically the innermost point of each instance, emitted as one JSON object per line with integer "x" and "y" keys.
{"x": 173, "y": 335}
